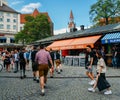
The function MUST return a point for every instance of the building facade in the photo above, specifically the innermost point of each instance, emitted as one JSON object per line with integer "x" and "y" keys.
{"x": 12, "y": 22}
{"x": 9, "y": 24}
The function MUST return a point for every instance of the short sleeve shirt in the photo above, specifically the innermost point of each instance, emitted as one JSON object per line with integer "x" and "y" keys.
{"x": 100, "y": 63}
{"x": 90, "y": 55}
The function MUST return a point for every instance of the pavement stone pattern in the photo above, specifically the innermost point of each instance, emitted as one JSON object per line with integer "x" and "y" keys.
{"x": 71, "y": 84}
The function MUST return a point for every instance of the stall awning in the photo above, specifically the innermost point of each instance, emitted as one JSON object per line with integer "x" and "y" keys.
{"x": 76, "y": 43}
{"x": 111, "y": 38}
{"x": 3, "y": 38}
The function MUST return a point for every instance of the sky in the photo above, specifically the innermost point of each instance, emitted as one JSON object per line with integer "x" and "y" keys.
{"x": 58, "y": 10}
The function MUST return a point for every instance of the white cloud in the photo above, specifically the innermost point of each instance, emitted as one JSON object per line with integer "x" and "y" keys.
{"x": 30, "y": 7}
{"x": 64, "y": 30}
{"x": 60, "y": 31}
{"x": 16, "y": 2}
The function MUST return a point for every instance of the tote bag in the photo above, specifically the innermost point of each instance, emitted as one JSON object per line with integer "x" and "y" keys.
{"x": 102, "y": 83}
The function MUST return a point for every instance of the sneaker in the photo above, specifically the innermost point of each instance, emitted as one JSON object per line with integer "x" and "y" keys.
{"x": 91, "y": 89}
{"x": 24, "y": 76}
{"x": 34, "y": 79}
{"x": 51, "y": 76}
{"x": 21, "y": 77}
{"x": 108, "y": 92}
{"x": 92, "y": 82}
{"x": 61, "y": 70}
{"x": 37, "y": 81}
{"x": 42, "y": 92}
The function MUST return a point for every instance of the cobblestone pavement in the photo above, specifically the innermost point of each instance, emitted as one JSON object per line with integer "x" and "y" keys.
{"x": 71, "y": 84}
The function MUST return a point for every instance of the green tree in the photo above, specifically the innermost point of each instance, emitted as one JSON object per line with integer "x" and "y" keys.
{"x": 104, "y": 9}
{"x": 35, "y": 28}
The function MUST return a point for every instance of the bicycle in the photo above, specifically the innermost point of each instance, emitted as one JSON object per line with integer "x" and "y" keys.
{"x": 1, "y": 67}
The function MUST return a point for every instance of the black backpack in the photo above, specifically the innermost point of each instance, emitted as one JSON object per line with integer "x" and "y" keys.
{"x": 21, "y": 57}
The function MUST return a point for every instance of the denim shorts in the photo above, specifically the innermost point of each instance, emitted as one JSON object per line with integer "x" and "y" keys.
{"x": 90, "y": 69}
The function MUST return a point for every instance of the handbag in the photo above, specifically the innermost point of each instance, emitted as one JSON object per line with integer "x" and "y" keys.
{"x": 102, "y": 83}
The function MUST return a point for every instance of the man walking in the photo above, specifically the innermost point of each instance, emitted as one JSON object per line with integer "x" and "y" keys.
{"x": 23, "y": 61}
{"x": 34, "y": 65}
{"x": 42, "y": 58}
{"x": 89, "y": 72}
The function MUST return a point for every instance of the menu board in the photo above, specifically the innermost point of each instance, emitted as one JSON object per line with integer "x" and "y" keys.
{"x": 68, "y": 60}
{"x": 82, "y": 62}
{"x": 76, "y": 61}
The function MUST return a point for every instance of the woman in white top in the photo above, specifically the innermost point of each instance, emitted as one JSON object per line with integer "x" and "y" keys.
{"x": 101, "y": 81}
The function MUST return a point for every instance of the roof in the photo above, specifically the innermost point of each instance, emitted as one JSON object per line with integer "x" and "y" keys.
{"x": 34, "y": 14}
{"x": 6, "y": 8}
{"x": 71, "y": 15}
{"x": 82, "y": 33}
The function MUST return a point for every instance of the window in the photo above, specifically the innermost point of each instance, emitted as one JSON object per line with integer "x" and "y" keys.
{"x": 12, "y": 40}
{"x": 1, "y": 13}
{"x": 8, "y": 20}
{"x": 21, "y": 28}
{"x": 8, "y": 26}
{"x": 14, "y": 27}
{"x": 1, "y": 19}
{"x": 8, "y": 14}
{"x": 1, "y": 26}
{"x": 15, "y": 15}
{"x": 2, "y": 40}
{"x": 14, "y": 20}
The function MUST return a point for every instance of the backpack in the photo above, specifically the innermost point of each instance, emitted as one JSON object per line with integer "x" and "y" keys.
{"x": 21, "y": 57}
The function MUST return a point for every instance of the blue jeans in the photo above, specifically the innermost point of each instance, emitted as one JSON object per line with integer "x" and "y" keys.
{"x": 114, "y": 62}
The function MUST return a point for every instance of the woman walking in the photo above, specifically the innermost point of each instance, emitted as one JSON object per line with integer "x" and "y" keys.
{"x": 101, "y": 81}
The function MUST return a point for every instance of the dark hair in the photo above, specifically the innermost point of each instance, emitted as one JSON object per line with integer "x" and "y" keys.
{"x": 89, "y": 46}
{"x": 42, "y": 46}
{"x": 99, "y": 53}
{"x": 50, "y": 49}
{"x": 34, "y": 47}
{"x": 23, "y": 48}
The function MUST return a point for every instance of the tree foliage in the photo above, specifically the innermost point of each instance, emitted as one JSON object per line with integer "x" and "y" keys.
{"x": 35, "y": 28}
{"x": 105, "y": 9}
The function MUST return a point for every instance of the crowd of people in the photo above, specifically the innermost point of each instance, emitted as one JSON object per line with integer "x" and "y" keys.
{"x": 44, "y": 61}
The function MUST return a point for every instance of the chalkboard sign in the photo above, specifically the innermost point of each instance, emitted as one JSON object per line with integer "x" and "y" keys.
{"x": 76, "y": 61}
{"x": 82, "y": 62}
{"x": 65, "y": 61}
{"x": 68, "y": 60}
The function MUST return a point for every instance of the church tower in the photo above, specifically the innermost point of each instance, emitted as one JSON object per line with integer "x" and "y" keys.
{"x": 71, "y": 24}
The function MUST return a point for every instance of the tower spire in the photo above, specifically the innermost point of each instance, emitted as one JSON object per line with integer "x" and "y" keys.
{"x": 71, "y": 16}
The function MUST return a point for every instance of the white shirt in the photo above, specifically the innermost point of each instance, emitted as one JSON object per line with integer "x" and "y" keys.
{"x": 100, "y": 63}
